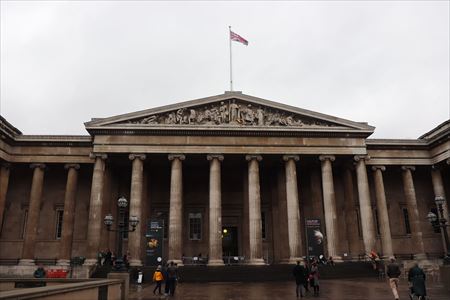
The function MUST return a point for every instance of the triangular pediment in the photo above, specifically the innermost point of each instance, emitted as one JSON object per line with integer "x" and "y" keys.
{"x": 231, "y": 110}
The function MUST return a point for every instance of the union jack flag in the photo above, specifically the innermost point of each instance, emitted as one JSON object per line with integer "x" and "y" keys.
{"x": 237, "y": 38}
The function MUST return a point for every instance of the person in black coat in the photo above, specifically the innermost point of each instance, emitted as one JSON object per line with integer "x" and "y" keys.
{"x": 416, "y": 277}
{"x": 300, "y": 275}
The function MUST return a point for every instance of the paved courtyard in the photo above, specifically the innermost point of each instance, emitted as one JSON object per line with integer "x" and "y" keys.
{"x": 364, "y": 289}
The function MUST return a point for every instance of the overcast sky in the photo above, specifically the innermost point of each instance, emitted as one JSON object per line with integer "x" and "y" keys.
{"x": 382, "y": 62}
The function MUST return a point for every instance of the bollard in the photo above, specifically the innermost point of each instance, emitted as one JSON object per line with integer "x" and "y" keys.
{"x": 140, "y": 277}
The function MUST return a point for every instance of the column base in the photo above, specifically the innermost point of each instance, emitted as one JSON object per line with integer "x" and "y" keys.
{"x": 420, "y": 256}
{"x": 63, "y": 262}
{"x": 215, "y": 263}
{"x": 135, "y": 263}
{"x": 256, "y": 262}
{"x": 26, "y": 262}
{"x": 90, "y": 262}
{"x": 338, "y": 259}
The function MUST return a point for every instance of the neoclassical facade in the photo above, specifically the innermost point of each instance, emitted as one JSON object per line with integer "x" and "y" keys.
{"x": 230, "y": 175}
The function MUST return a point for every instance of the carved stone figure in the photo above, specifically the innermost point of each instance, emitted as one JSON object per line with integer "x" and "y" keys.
{"x": 247, "y": 115}
{"x": 192, "y": 116}
{"x": 260, "y": 116}
{"x": 150, "y": 120}
{"x": 223, "y": 113}
{"x": 234, "y": 112}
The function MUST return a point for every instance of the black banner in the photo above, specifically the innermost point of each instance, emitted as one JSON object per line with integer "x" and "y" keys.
{"x": 154, "y": 245}
{"x": 314, "y": 237}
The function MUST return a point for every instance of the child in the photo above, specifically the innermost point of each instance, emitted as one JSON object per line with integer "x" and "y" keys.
{"x": 158, "y": 278}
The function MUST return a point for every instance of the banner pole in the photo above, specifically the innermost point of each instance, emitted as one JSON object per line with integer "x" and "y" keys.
{"x": 231, "y": 62}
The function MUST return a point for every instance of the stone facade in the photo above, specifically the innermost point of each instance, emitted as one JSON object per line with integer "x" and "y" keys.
{"x": 232, "y": 161}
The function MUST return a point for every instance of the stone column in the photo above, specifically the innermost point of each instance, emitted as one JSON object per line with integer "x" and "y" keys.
{"x": 438, "y": 188}
{"x": 411, "y": 202}
{"x": 383, "y": 216}
{"x": 95, "y": 209}
{"x": 365, "y": 205}
{"x": 176, "y": 209}
{"x": 215, "y": 211}
{"x": 65, "y": 244}
{"x": 329, "y": 205}
{"x": 254, "y": 211}
{"x": 34, "y": 208}
{"x": 351, "y": 219}
{"x": 134, "y": 240}
{"x": 293, "y": 210}
{"x": 4, "y": 180}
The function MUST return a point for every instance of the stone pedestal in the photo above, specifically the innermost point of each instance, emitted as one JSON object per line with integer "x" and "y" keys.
{"x": 125, "y": 276}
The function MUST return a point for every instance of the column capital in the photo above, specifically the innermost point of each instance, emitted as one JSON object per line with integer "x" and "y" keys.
{"x": 177, "y": 156}
{"x": 72, "y": 166}
{"x": 140, "y": 156}
{"x": 103, "y": 156}
{"x": 358, "y": 158}
{"x": 410, "y": 168}
{"x": 250, "y": 157}
{"x": 382, "y": 168}
{"x": 213, "y": 156}
{"x": 37, "y": 165}
{"x": 291, "y": 156}
{"x": 327, "y": 157}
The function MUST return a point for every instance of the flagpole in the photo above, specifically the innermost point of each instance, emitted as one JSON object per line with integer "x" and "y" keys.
{"x": 231, "y": 62}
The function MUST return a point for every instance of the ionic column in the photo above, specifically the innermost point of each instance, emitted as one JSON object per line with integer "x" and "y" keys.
{"x": 65, "y": 244}
{"x": 215, "y": 211}
{"x": 176, "y": 209}
{"x": 365, "y": 205}
{"x": 329, "y": 205}
{"x": 351, "y": 219}
{"x": 411, "y": 202}
{"x": 383, "y": 216}
{"x": 438, "y": 188}
{"x": 137, "y": 182}
{"x": 95, "y": 209}
{"x": 34, "y": 209}
{"x": 4, "y": 180}
{"x": 293, "y": 211}
{"x": 254, "y": 211}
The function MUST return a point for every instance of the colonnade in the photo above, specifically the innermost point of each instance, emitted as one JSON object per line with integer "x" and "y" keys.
{"x": 253, "y": 211}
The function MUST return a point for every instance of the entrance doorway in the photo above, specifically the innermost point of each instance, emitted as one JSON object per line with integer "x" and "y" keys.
{"x": 230, "y": 241}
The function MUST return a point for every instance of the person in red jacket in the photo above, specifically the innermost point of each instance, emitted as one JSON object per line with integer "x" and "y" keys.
{"x": 158, "y": 278}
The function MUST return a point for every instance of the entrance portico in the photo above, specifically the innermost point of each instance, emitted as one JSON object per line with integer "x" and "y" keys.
{"x": 254, "y": 167}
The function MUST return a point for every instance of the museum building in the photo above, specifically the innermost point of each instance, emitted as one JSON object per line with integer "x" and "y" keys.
{"x": 230, "y": 175}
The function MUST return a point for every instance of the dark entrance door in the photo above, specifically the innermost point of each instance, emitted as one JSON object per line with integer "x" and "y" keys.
{"x": 230, "y": 241}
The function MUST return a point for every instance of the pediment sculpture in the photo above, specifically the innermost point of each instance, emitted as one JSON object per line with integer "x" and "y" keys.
{"x": 230, "y": 112}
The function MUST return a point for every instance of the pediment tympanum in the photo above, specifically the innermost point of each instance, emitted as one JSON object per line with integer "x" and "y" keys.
{"x": 232, "y": 111}
{"x": 229, "y": 112}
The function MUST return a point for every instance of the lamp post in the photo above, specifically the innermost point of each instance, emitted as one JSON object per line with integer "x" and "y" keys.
{"x": 121, "y": 228}
{"x": 440, "y": 222}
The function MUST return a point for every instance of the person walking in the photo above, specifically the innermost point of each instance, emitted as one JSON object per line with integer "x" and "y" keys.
{"x": 300, "y": 275}
{"x": 158, "y": 278}
{"x": 393, "y": 273}
{"x": 416, "y": 278}
{"x": 314, "y": 278}
{"x": 172, "y": 274}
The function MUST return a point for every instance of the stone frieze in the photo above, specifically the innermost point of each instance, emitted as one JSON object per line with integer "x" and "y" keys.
{"x": 230, "y": 112}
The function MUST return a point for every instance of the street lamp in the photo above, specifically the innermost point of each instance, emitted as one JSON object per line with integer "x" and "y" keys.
{"x": 439, "y": 221}
{"x": 121, "y": 228}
